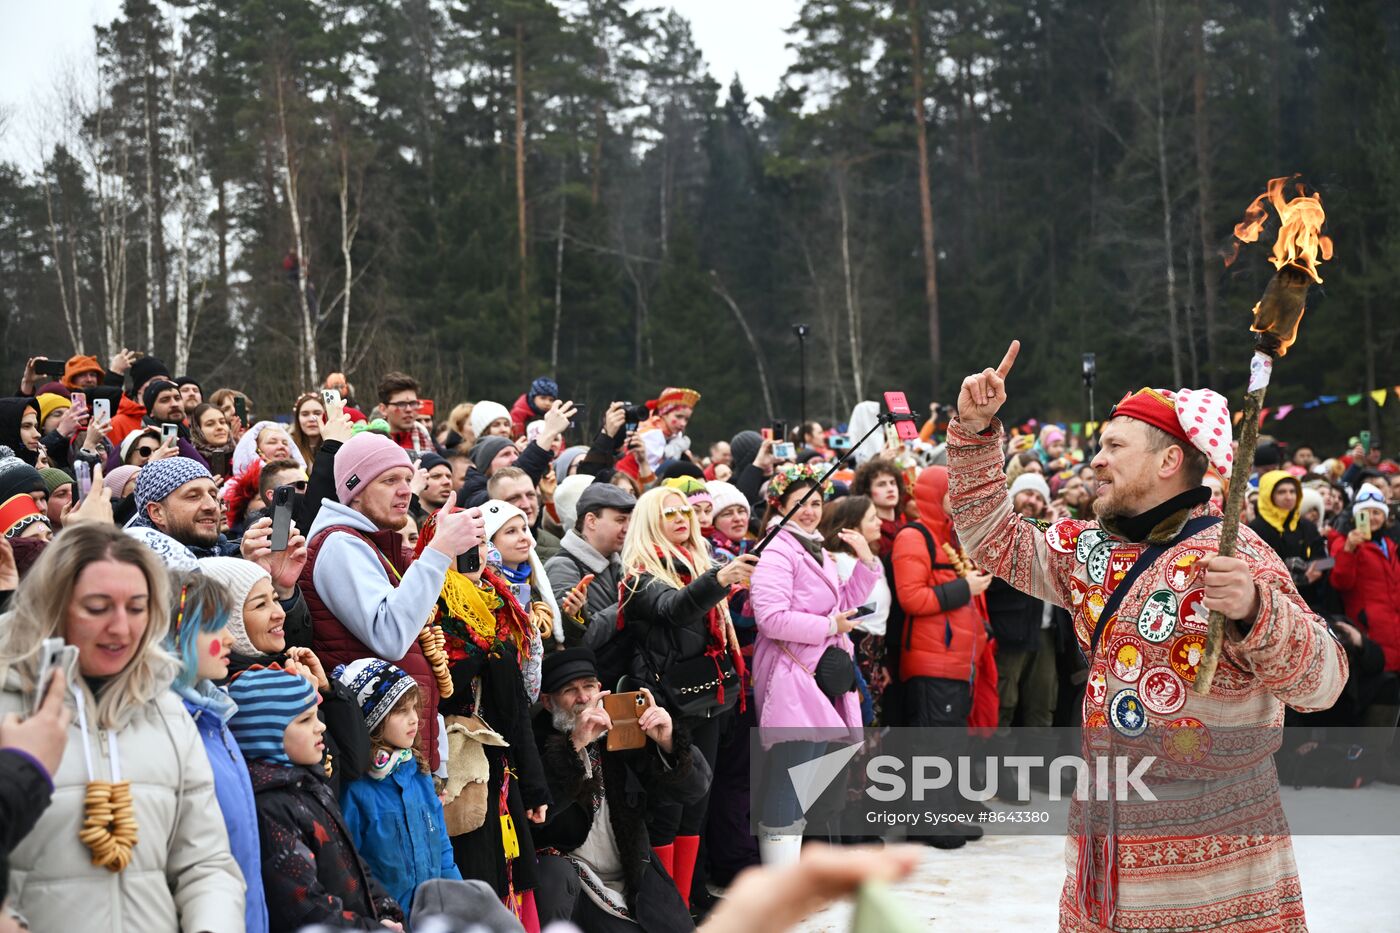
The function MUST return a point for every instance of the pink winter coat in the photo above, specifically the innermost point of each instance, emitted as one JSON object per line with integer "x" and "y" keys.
{"x": 793, "y": 600}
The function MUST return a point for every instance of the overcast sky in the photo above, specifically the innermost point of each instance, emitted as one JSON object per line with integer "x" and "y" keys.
{"x": 41, "y": 37}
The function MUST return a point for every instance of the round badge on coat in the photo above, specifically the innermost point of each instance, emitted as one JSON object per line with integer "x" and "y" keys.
{"x": 1157, "y": 617}
{"x": 1077, "y": 589}
{"x": 1097, "y": 564}
{"x": 1127, "y": 714}
{"x": 1094, "y": 601}
{"x": 1062, "y": 535}
{"x": 1096, "y": 687}
{"x": 1186, "y": 740}
{"x": 1095, "y": 729}
{"x": 1126, "y": 656}
{"x": 1192, "y": 615}
{"x": 1186, "y": 654}
{"x": 1089, "y": 539}
{"x": 1161, "y": 690}
{"x": 1119, "y": 563}
{"x": 1183, "y": 568}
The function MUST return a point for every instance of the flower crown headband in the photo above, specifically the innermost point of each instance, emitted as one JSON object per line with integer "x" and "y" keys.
{"x": 789, "y": 473}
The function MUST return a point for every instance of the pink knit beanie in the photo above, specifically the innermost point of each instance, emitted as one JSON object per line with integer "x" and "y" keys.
{"x": 362, "y": 459}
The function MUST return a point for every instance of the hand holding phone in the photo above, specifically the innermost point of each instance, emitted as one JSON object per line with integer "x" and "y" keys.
{"x": 282, "y": 499}
{"x": 102, "y": 409}
{"x": 625, "y": 710}
{"x": 54, "y": 368}
{"x": 170, "y": 434}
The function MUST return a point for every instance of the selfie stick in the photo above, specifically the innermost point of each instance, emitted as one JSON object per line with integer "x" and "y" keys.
{"x": 885, "y": 418}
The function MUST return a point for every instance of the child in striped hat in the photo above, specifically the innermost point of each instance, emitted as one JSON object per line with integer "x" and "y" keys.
{"x": 312, "y": 872}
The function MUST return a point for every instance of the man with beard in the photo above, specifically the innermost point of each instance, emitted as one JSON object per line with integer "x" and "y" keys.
{"x": 366, "y": 599}
{"x": 595, "y": 863}
{"x": 512, "y": 484}
{"x": 178, "y": 498}
{"x": 163, "y": 407}
{"x": 1141, "y": 581}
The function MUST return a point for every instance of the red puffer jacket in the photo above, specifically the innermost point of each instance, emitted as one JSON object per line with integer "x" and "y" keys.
{"x": 945, "y": 631}
{"x": 1368, "y": 580}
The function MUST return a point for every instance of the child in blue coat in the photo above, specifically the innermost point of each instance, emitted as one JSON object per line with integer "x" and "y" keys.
{"x": 393, "y": 813}
{"x": 200, "y": 639}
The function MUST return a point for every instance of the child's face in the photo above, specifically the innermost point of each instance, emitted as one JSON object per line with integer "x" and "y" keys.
{"x": 401, "y": 726}
{"x": 302, "y": 739}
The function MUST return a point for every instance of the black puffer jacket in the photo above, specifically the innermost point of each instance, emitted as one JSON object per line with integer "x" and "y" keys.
{"x": 311, "y": 870}
{"x": 669, "y": 624}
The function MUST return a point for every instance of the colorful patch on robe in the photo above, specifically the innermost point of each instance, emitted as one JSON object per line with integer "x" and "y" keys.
{"x": 1089, "y": 539}
{"x": 1094, "y": 601}
{"x": 1063, "y": 534}
{"x": 1126, "y": 656}
{"x": 1096, "y": 687}
{"x": 1119, "y": 563}
{"x": 1077, "y": 589}
{"x": 1161, "y": 690}
{"x": 1192, "y": 614}
{"x": 1097, "y": 564}
{"x": 1157, "y": 617}
{"x": 1186, "y": 740}
{"x": 1186, "y": 654}
{"x": 1127, "y": 714}
{"x": 1183, "y": 569}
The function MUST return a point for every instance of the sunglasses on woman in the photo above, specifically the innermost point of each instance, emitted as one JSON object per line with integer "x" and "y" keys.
{"x": 676, "y": 511}
{"x": 146, "y": 451}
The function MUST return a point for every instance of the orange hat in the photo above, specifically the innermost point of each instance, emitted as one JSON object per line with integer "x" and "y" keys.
{"x": 77, "y": 365}
{"x": 672, "y": 398}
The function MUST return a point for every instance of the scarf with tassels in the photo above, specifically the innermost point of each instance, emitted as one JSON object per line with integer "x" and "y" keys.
{"x": 716, "y": 619}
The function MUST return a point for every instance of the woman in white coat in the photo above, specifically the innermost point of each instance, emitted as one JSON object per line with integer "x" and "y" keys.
{"x": 133, "y": 839}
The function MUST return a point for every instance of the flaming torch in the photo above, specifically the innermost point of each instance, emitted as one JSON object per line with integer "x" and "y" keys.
{"x": 1297, "y": 250}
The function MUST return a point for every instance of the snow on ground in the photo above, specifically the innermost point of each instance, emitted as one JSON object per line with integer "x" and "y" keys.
{"x": 1012, "y": 883}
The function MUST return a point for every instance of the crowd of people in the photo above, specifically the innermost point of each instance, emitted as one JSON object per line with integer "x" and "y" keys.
{"x": 347, "y": 666}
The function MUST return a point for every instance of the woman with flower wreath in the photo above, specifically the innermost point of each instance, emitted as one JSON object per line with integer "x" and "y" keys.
{"x": 492, "y": 650}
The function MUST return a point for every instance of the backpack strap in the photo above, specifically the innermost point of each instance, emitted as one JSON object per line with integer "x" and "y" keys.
{"x": 1144, "y": 562}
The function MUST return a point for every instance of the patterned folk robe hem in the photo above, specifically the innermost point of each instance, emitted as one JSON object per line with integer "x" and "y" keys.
{"x": 1240, "y": 880}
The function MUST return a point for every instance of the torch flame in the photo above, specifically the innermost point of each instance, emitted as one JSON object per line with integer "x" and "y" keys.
{"x": 1300, "y": 238}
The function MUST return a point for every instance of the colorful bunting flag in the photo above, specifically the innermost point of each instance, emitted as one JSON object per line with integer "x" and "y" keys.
{"x": 1379, "y": 396}
{"x": 1354, "y": 399}
{"x": 1282, "y": 412}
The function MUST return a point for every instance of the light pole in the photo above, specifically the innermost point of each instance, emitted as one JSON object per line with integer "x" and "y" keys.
{"x": 801, "y": 331}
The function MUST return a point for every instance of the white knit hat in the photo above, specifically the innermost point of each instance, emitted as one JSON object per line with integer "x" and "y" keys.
{"x": 1032, "y": 482}
{"x": 484, "y": 412}
{"x": 726, "y": 494}
{"x": 239, "y": 576}
{"x": 566, "y": 496}
{"x": 496, "y": 513}
{"x": 1369, "y": 497}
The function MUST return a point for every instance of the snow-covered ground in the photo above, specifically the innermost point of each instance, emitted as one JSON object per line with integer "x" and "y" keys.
{"x": 1013, "y": 883}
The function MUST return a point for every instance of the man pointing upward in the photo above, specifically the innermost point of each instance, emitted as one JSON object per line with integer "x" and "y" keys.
{"x": 1139, "y": 583}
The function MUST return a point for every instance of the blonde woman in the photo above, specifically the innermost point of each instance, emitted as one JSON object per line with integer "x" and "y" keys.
{"x": 674, "y": 607}
{"x": 133, "y": 751}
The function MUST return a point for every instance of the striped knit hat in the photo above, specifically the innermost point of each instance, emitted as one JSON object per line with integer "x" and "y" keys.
{"x": 268, "y": 700}
{"x": 378, "y": 686}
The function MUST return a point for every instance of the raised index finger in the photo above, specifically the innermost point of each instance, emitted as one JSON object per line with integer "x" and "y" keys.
{"x": 1009, "y": 359}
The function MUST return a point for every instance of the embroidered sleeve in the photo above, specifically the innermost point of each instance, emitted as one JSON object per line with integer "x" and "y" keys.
{"x": 1288, "y": 648}
{"x": 1015, "y": 549}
